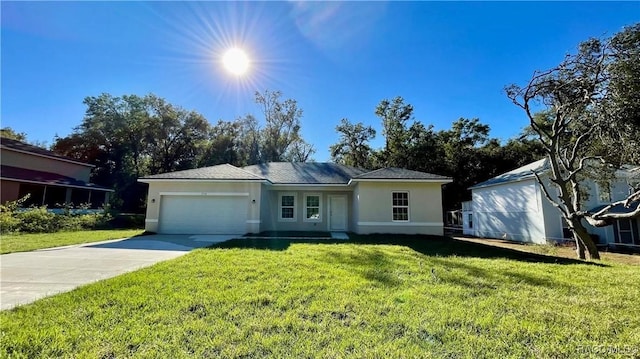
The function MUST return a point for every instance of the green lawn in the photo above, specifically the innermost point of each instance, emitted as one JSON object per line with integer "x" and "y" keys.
{"x": 10, "y": 243}
{"x": 372, "y": 297}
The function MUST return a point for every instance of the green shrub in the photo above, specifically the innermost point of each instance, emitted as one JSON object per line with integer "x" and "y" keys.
{"x": 8, "y": 220}
{"x": 8, "y": 223}
{"x": 40, "y": 220}
{"x": 37, "y": 219}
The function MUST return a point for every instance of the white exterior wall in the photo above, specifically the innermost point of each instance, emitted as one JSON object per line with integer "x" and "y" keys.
{"x": 158, "y": 189}
{"x": 619, "y": 190}
{"x": 509, "y": 211}
{"x": 374, "y": 207}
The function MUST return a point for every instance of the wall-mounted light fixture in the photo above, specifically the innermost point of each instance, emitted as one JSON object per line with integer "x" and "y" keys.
{"x": 153, "y": 200}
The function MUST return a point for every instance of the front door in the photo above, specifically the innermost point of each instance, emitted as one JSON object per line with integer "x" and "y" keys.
{"x": 337, "y": 213}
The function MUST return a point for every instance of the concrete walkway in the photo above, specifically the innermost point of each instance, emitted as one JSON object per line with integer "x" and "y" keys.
{"x": 28, "y": 276}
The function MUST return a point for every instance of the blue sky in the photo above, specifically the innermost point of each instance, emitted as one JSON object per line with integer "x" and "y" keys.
{"x": 337, "y": 59}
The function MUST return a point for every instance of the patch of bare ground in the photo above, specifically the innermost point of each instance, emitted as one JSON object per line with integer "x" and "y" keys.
{"x": 551, "y": 250}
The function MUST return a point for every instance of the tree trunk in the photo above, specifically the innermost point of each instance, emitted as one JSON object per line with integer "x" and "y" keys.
{"x": 584, "y": 242}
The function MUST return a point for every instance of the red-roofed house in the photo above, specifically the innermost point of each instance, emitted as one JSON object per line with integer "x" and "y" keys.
{"x": 50, "y": 179}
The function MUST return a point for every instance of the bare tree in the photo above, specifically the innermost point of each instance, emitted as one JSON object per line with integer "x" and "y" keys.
{"x": 579, "y": 113}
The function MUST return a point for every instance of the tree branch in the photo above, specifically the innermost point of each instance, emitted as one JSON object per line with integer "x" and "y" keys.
{"x": 548, "y": 196}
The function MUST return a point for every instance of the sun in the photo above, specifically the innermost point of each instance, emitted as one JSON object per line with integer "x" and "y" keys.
{"x": 236, "y": 61}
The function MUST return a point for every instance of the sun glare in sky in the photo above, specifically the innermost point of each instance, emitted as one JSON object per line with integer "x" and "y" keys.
{"x": 235, "y": 60}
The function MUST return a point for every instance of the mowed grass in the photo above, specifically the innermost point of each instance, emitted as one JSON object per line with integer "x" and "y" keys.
{"x": 372, "y": 297}
{"x": 10, "y": 243}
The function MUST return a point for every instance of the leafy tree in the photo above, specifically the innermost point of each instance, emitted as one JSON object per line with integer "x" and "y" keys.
{"x": 353, "y": 147}
{"x": 394, "y": 115}
{"x": 590, "y": 119}
{"x": 464, "y": 152}
{"x": 8, "y": 132}
{"x": 221, "y": 146}
{"x": 281, "y": 129}
{"x": 174, "y": 136}
{"x": 248, "y": 141}
{"x": 131, "y": 136}
{"x": 299, "y": 151}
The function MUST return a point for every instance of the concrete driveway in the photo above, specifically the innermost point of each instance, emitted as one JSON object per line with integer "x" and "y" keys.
{"x": 28, "y": 276}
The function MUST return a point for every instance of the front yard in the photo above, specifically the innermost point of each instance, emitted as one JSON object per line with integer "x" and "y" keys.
{"x": 10, "y": 243}
{"x": 383, "y": 297}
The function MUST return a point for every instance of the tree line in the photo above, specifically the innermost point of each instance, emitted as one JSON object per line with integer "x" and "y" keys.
{"x": 133, "y": 136}
{"x": 464, "y": 152}
{"x": 584, "y": 116}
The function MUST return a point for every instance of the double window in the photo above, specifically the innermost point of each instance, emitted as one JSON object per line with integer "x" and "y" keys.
{"x": 312, "y": 207}
{"x": 400, "y": 206}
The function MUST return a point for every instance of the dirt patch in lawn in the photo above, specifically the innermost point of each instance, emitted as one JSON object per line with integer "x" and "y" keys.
{"x": 557, "y": 251}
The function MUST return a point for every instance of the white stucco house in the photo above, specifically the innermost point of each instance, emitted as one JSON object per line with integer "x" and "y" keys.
{"x": 512, "y": 206}
{"x": 285, "y": 196}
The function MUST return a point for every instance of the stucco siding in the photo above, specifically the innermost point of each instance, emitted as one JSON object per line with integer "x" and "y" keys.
{"x": 270, "y": 213}
{"x": 249, "y": 190}
{"x": 38, "y": 163}
{"x": 510, "y": 211}
{"x": 375, "y": 210}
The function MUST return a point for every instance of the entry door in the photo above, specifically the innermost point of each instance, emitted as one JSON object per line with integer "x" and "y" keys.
{"x": 337, "y": 213}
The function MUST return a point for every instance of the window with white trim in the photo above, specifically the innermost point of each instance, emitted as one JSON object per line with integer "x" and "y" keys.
{"x": 287, "y": 207}
{"x": 400, "y": 206}
{"x": 312, "y": 207}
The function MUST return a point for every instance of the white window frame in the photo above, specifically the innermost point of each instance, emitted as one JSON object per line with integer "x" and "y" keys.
{"x": 280, "y": 206}
{"x": 397, "y": 206}
{"x": 631, "y": 231}
{"x": 305, "y": 208}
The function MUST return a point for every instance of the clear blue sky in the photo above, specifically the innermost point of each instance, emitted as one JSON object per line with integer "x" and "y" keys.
{"x": 337, "y": 59}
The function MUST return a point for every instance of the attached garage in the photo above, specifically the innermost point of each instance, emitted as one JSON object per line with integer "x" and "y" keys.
{"x": 202, "y": 214}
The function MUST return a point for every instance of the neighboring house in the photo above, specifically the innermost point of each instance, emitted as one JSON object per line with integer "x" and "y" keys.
{"x": 286, "y": 196}
{"x": 50, "y": 179}
{"x": 512, "y": 206}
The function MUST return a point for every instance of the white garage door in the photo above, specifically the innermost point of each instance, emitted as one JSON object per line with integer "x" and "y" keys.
{"x": 203, "y": 214}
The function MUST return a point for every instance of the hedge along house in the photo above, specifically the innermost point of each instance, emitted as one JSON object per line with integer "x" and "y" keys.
{"x": 48, "y": 178}
{"x": 285, "y": 196}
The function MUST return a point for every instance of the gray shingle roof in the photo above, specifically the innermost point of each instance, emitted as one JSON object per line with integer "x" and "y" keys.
{"x": 400, "y": 174}
{"x": 305, "y": 173}
{"x": 219, "y": 172}
{"x": 521, "y": 173}
{"x": 296, "y": 173}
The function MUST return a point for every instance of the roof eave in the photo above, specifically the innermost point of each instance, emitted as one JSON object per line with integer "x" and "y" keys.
{"x": 57, "y": 184}
{"x": 148, "y": 180}
{"x": 520, "y": 179}
{"x": 396, "y": 180}
{"x": 279, "y": 184}
{"x": 46, "y": 156}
